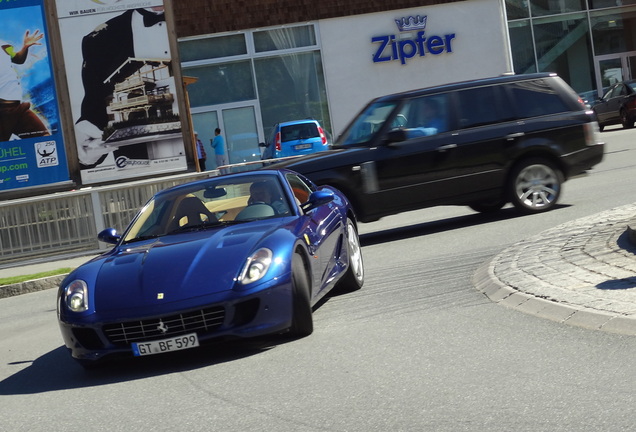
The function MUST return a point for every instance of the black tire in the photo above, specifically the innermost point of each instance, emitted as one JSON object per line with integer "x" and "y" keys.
{"x": 488, "y": 207}
{"x": 535, "y": 185}
{"x": 626, "y": 121}
{"x": 302, "y": 315}
{"x": 353, "y": 279}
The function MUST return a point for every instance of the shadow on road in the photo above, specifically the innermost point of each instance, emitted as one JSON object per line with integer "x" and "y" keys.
{"x": 56, "y": 370}
{"x": 442, "y": 225}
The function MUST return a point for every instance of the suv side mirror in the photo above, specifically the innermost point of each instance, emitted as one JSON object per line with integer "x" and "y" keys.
{"x": 395, "y": 136}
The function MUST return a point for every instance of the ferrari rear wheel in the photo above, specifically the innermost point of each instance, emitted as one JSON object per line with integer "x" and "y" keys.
{"x": 302, "y": 317}
{"x": 353, "y": 279}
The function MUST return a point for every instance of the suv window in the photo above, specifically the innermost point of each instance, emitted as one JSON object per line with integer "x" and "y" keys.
{"x": 482, "y": 106}
{"x": 367, "y": 123}
{"x": 536, "y": 98}
{"x": 423, "y": 116}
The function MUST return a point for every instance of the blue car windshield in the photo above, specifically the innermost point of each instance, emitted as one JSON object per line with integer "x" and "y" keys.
{"x": 367, "y": 124}
{"x": 209, "y": 204}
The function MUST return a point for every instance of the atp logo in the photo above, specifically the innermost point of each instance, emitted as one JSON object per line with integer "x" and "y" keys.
{"x": 46, "y": 154}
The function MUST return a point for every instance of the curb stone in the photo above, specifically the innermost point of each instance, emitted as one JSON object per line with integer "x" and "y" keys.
{"x": 31, "y": 286}
{"x": 582, "y": 273}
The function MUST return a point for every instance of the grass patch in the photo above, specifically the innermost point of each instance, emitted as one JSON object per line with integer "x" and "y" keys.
{"x": 19, "y": 279}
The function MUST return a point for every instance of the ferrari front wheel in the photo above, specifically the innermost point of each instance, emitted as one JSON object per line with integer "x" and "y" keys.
{"x": 302, "y": 315}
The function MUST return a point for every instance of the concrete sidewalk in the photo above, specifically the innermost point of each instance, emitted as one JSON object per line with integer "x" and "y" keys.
{"x": 38, "y": 266}
{"x": 581, "y": 273}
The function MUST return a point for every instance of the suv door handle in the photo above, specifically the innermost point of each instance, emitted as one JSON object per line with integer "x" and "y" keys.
{"x": 513, "y": 136}
{"x": 446, "y": 147}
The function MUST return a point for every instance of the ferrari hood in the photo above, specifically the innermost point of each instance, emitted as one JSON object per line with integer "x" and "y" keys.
{"x": 177, "y": 267}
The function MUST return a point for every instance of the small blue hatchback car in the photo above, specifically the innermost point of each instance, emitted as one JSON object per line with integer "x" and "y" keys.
{"x": 295, "y": 138}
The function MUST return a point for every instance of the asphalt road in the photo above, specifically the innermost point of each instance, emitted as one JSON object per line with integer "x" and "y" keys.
{"x": 417, "y": 349}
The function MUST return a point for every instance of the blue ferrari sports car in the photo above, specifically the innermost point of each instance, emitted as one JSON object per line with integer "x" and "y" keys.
{"x": 239, "y": 255}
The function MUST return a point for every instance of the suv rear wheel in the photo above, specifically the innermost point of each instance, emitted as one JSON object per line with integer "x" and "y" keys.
{"x": 535, "y": 185}
{"x": 626, "y": 121}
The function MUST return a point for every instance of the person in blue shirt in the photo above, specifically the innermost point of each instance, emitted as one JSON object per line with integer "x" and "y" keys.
{"x": 433, "y": 122}
{"x": 218, "y": 144}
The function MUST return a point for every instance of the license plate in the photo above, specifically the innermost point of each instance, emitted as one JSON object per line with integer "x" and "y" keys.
{"x": 302, "y": 146}
{"x": 165, "y": 345}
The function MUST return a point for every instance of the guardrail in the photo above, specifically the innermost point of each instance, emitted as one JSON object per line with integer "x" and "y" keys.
{"x": 68, "y": 222}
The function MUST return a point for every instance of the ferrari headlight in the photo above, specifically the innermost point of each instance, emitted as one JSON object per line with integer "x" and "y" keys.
{"x": 76, "y": 296}
{"x": 256, "y": 266}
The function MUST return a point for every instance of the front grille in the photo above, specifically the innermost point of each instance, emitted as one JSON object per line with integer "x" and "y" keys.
{"x": 200, "y": 321}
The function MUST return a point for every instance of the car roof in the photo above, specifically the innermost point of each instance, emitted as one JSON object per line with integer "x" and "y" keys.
{"x": 293, "y": 122}
{"x": 505, "y": 78}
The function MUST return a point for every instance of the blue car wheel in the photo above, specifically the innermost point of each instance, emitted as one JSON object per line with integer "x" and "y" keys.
{"x": 302, "y": 318}
{"x": 353, "y": 279}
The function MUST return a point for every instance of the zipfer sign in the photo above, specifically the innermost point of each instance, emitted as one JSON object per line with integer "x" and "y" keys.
{"x": 390, "y": 48}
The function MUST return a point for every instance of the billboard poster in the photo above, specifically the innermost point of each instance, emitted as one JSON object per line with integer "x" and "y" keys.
{"x": 122, "y": 90}
{"x": 31, "y": 144}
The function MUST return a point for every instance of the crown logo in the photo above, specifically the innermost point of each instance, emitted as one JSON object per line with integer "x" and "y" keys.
{"x": 411, "y": 23}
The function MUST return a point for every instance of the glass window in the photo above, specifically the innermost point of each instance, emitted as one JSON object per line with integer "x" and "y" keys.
{"x": 536, "y": 98}
{"x": 211, "y": 48}
{"x": 563, "y": 46}
{"x": 516, "y": 9}
{"x": 292, "y": 87}
{"x": 423, "y": 116}
{"x": 220, "y": 83}
{"x": 367, "y": 123}
{"x": 614, "y": 31}
{"x": 601, "y": 4}
{"x": 209, "y": 204}
{"x": 299, "y": 187}
{"x": 284, "y": 38}
{"x": 523, "y": 49}
{"x": 472, "y": 104}
{"x": 551, "y": 7}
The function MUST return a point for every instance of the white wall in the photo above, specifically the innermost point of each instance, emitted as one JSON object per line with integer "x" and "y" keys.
{"x": 480, "y": 49}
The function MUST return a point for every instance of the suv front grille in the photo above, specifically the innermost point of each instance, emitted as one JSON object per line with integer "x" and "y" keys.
{"x": 200, "y": 321}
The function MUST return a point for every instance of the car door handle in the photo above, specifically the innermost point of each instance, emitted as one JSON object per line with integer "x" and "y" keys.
{"x": 514, "y": 136}
{"x": 446, "y": 147}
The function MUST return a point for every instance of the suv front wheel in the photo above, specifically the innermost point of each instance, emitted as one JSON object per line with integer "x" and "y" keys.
{"x": 535, "y": 185}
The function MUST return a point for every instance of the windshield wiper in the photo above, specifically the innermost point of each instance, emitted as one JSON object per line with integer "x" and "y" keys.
{"x": 202, "y": 226}
{"x": 141, "y": 238}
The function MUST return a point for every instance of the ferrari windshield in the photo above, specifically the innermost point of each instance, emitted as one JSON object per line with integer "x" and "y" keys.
{"x": 211, "y": 203}
{"x": 367, "y": 124}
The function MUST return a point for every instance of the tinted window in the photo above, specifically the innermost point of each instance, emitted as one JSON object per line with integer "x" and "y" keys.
{"x": 423, "y": 116}
{"x": 536, "y": 98}
{"x": 299, "y": 131}
{"x": 482, "y": 106}
{"x": 367, "y": 123}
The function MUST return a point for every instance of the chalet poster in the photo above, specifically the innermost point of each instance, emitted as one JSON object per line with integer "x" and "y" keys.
{"x": 122, "y": 88}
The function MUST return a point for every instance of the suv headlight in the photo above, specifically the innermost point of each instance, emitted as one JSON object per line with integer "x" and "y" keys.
{"x": 76, "y": 296}
{"x": 256, "y": 266}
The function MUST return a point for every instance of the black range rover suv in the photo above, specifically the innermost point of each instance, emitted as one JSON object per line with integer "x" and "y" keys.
{"x": 482, "y": 143}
